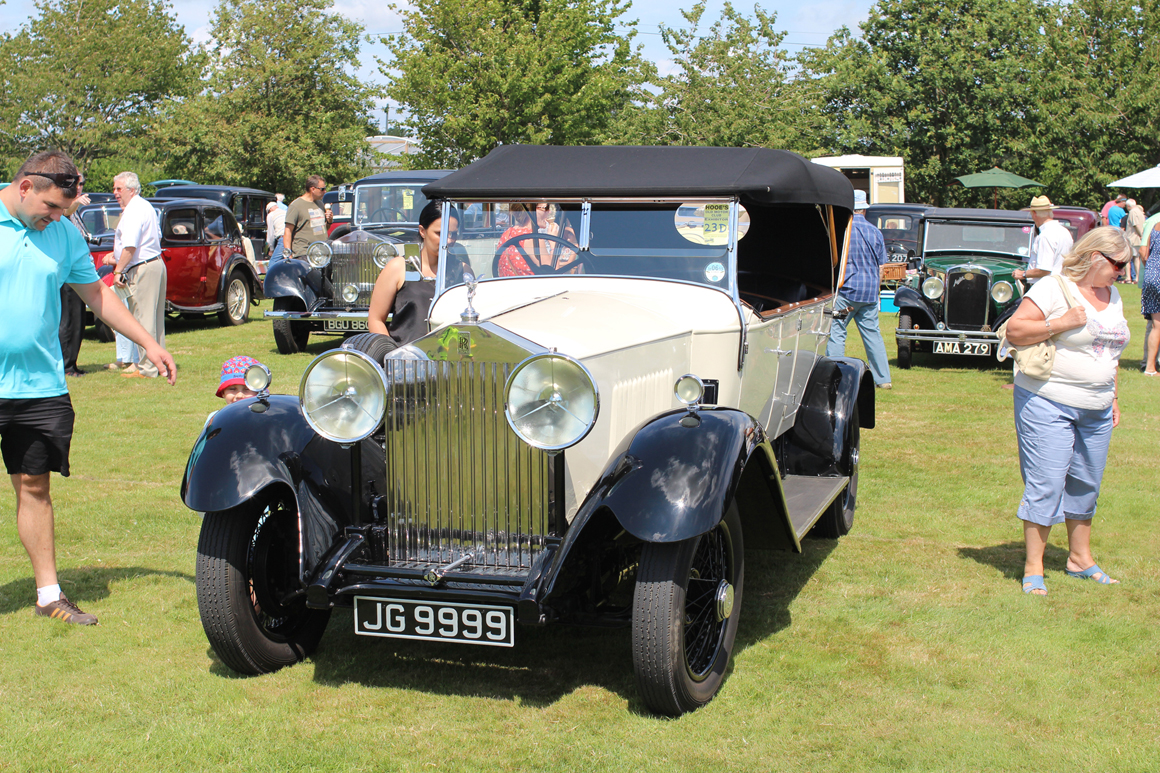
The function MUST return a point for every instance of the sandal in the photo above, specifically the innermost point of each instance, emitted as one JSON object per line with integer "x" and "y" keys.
{"x": 1093, "y": 572}
{"x": 1034, "y": 582}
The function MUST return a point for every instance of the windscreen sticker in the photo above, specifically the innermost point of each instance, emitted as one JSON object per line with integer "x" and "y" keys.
{"x": 715, "y": 272}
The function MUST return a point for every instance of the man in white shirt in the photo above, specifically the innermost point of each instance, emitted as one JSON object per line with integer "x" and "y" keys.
{"x": 137, "y": 249}
{"x": 1049, "y": 246}
{"x": 275, "y": 229}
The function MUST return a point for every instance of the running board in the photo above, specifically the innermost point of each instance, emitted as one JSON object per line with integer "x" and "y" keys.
{"x": 807, "y": 497}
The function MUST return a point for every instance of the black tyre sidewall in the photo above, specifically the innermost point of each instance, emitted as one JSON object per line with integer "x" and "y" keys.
{"x": 904, "y": 347}
{"x": 375, "y": 345}
{"x": 290, "y": 337}
{"x": 676, "y": 692}
{"x": 223, "y": 597}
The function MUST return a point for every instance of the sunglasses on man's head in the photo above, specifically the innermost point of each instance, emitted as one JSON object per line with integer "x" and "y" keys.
{"x": 1119, "y": 264}
{"x": 61, "y": 179}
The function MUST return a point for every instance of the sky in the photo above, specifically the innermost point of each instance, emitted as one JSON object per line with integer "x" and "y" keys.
{"x": 807, "y": 24}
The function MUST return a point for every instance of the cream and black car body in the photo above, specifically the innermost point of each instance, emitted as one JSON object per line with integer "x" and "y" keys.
{"x": 598, "y": 442}
{"x": 327, "y": 291}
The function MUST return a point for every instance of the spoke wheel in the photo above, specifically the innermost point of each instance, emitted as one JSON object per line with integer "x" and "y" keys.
{"x": 904, "y": 347}
{"x": 684, "y": 618}
{"x": 237, "y": 301}
{"x": 247, "y": 567}
{"x": 290, "y": 337}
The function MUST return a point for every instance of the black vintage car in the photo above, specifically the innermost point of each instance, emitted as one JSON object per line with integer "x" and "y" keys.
{"x": 596, "y": 442}
{"x": 901, "y": 227}
{"x": 328, "y": 290}
{"x": 247, "y": 204}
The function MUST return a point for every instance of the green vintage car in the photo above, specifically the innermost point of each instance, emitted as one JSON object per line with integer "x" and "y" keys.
{"x": 964, "y": 289}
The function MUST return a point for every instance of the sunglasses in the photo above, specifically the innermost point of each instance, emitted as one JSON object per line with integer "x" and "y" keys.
{"x": 1119, "y": 264}
{"x": 61, "y": 179}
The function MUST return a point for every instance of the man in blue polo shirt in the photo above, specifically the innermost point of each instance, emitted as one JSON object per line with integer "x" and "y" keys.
{"x": 38, "y": 255}
{"x": 859, "y": 294}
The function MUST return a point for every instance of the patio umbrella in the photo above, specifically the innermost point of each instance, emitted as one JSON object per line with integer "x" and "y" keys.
{"x": 1149, "y": 178}
{"x": 996, "y": 178}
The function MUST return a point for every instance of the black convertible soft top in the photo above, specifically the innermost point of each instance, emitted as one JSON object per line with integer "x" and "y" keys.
{"x": 545, "y": 171}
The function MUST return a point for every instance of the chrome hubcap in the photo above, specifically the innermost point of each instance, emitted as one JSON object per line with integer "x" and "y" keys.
{"x": 724, "y": 601}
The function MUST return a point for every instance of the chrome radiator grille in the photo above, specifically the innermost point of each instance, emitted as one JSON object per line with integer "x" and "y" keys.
{"x": 459, "y": 480}
{"x": 968, "y": 299}
{"x": 353, "y": 264}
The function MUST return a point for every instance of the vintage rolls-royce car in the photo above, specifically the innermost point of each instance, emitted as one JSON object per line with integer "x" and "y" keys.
{"x": 208, "y": 269}
{"x": 966, "y": 287}
{"x": 328, "y": 290}
{"x": 596, "y": 441}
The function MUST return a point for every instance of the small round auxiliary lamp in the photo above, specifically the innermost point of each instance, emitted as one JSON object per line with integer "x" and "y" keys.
{"x": 257, "y": 378}
{"x": 689, "y": 390}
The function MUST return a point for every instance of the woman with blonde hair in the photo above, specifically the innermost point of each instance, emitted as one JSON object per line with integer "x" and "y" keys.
{"x": 1064, "y": 422}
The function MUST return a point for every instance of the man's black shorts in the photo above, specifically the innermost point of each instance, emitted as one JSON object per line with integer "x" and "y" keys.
{"x": 35, "y": 434}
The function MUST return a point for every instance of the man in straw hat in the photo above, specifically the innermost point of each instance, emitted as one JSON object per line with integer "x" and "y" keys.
{"x": 1051, "y": 243}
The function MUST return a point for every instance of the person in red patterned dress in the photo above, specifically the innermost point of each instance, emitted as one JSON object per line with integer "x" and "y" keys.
{"x": 521, "y": 258}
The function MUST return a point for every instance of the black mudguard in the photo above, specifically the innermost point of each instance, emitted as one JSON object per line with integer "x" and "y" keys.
{"x": 814, "y": 445}
{"x": 243, "y": 451}
{"x": 294, "y": 278}
{"x": 910, "y": 300}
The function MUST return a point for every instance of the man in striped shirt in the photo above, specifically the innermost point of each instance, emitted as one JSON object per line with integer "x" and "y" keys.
{"x": 859, "y": 294}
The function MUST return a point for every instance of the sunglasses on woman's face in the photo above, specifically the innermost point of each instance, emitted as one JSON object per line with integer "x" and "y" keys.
{"x": 1119, "y": 264}
{"x": 61, "y": 179}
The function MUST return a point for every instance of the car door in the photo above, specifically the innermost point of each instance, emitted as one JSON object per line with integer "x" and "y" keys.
{"x": 222, "y": 239}
{"x": 184, "y": 255}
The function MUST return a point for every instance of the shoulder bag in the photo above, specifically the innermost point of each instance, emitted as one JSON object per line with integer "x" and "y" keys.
{"x": 1034, "y": 360}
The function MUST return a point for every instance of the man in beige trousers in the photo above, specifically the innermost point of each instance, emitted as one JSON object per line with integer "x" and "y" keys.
{"x": 137, "y": 249}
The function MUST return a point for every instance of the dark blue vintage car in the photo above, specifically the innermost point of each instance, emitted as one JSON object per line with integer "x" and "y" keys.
{"x": 328, "y": 290}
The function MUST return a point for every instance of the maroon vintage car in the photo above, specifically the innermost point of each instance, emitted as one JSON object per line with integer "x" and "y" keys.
{"x": 1077, "y": 220}
{"x": 205, "y": 258}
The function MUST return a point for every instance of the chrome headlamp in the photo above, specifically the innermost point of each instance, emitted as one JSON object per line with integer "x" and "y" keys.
{"x": 551, "y": 401}
{"x": 689, "y": 390}
{"x": 318, "y": 254}
{"x": 350, "y": 293}
{"x": 383, "y": 254}
{"x": 343, "y": 395}
{"x": 1002, "y": 292}
{"x": 933, "y": 287}
{"x": 257, "y": 378}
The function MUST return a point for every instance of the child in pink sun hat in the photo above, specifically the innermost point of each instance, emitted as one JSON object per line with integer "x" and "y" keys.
{"x": 233, "y": 384}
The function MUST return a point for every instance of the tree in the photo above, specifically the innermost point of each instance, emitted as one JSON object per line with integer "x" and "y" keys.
{"x": 88, "y": 76}
{"x": 281, "y": 101}
{"x": 730, "y": 87}
{"x": 949, "y": 85}
{"x": 472, "y": 76}
{"x": 1100, "y": 86}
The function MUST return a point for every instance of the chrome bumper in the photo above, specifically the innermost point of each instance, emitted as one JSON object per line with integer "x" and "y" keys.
{"x": 962, "y": 336}
{"x": 309, "y": 315}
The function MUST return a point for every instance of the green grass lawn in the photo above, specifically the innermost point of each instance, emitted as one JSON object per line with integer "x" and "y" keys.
{"x": 906, "y": 645}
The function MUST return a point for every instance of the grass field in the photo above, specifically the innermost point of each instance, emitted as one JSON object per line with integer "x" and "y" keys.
{"x": 906, "y": 645}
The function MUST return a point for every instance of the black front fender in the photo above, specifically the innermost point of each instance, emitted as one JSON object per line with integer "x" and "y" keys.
{"x": 675, "y": 476}
{"x": 911, "y": 301}
{"x": 292, "y": 278}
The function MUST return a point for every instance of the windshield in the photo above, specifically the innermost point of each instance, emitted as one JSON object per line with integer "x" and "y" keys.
{"x": 1002, "y": 238}
{"x": 388, "y": 204}
{"x": 100, "y": 219}
{"x": 686, "y": 241}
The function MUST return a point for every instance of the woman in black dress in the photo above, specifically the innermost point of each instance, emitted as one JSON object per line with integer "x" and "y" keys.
{"x": 410, "y": 301}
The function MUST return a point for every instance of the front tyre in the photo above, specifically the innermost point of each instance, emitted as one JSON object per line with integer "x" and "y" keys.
{"x": 290, "y": 337}
{"x": 684, "y": 616}
{"x": 905, "y": 348}
{"x": 247, "y": 568}
{"x": 236, "y": 300}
